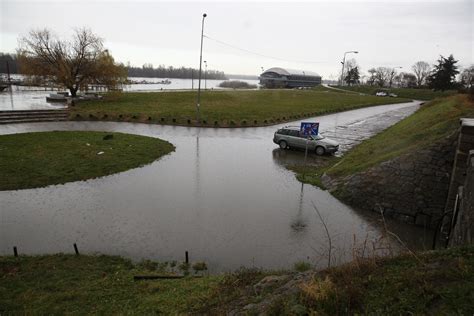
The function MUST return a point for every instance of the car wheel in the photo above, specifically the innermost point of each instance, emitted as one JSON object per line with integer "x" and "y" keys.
{"x": 320, "y": 151}
{"x": 283, "y": 145}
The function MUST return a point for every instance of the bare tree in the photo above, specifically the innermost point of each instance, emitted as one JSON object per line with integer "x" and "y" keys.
{"x": 408, "y": 80}
{"x": 72, "y": 64}
{"x": 372, "y": 72}
{"x": 421, "y": 70}
{"x": 467, "y": 77}
{"x": 383, "y": 75}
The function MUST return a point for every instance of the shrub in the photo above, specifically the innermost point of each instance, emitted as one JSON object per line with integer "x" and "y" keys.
{"x": 199, "y": 266}
{"x": 236, "y": 84}
{"x": 302, "y": 266}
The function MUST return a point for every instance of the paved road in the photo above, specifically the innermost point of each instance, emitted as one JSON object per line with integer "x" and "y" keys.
{"x": 224, "y": 195}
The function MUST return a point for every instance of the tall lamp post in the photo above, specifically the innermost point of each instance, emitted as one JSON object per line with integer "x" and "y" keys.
{"x": 200, "y": 70}
{"x": 205, "y": 76}
{"x": 393, "y": 72}
{"x": 344, "y": 62}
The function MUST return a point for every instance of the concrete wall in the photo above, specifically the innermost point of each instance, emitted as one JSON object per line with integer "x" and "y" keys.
{"x": 412, "y": 188}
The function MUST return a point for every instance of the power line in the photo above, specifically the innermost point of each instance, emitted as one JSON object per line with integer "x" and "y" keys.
{"x": 262, "y": 55}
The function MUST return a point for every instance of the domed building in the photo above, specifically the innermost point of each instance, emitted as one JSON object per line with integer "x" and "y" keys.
{"x": 277, "y": 77}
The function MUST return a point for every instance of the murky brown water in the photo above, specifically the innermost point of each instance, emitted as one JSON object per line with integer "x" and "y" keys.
{"x": 224, "y": 195}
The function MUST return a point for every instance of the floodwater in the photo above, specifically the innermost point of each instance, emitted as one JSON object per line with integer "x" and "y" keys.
{"x": 224, "y": 195}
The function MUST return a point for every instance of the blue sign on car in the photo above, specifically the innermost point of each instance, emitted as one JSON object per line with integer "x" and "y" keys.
{"x": 309, "y": 129}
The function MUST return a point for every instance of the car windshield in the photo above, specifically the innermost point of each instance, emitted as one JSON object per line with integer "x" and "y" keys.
{"x": 317, "y": 137}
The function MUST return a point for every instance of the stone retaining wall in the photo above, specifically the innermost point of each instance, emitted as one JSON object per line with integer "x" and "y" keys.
{"x": 412, "y": 188}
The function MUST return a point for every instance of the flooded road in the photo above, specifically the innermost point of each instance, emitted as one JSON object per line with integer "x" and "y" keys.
{"x": 224, "y": 195}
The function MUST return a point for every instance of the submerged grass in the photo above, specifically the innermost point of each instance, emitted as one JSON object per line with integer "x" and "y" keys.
{"x": 32, "y": 160}
{"x": 223, "y": 108}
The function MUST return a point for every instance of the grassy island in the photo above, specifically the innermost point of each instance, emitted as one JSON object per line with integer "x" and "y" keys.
{"x": 223, "y": 108}
{"x": 33, "y": 160}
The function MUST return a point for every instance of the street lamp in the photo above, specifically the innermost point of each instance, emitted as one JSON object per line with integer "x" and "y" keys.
{"x": 200, "y": 70}
{"x": 205, "y": 76}
{"x": 393, "y": 72}
{"x": 344, "y": 62}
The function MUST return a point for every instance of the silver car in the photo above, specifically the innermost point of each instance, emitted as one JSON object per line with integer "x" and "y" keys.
{"x": 290, "y": 137}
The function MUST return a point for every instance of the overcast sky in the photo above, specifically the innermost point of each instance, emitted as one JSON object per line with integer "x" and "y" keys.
{"x": 304, "y": 35}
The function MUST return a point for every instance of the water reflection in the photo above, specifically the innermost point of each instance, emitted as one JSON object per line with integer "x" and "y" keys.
{"x": 198, "y": 174}
{"x": 298, "y": 225}
{"x": 295, "y": 157}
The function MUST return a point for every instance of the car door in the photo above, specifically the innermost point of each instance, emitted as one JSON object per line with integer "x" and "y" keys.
{"x": 297, "y": 140}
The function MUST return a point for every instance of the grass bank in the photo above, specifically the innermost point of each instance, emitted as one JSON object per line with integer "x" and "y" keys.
{"x": 68, "y": 284}
{"x": 32, "y": 160}
{"x": 432, "y": 122}
{"x": 440, "y": 282}
{"x": 409, "y": 93}
{"x": 223, "y": 108}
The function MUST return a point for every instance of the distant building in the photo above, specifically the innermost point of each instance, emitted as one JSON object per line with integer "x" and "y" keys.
{"x": 289, "y": 78}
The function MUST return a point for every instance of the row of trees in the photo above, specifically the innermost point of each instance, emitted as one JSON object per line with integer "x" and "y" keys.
{"x": 162, "y": 71}
{"x": 8, "y": 64}
{"x": 441, "y": 76}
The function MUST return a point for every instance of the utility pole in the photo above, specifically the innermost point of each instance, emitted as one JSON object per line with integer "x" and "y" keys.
{"x": 200, "y": 70}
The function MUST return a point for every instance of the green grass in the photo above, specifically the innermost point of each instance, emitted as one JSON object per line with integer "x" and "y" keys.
{"x": 38, "y": 159}
{"x": 409, "y": 93}
{"x": 432, "y": 122}
{"x": 222, "y": 108}
{"x": 439, "y": 282}
{"x": 434, "y": 282}
{"x": 68, "y": 284}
